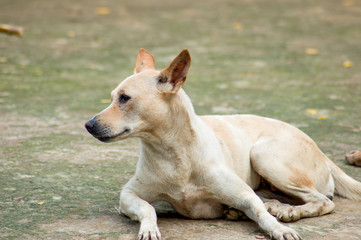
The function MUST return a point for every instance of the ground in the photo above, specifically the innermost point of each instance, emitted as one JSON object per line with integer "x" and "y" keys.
{"x": 297, "y": 61}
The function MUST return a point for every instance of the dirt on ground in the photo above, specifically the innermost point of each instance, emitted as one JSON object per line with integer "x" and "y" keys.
{"x": 297, "y": 61}
{"x": 343, "y": 223}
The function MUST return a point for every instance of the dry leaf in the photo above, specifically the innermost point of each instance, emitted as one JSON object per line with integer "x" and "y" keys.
{"x": 312, "y": 51}
{"x": 70, "y": 34}
{"x": 41, "y": 203}
{"x": 237, "y": 26}
{"x": 347, "y": 64}
{"x": 11, "y": 30}
{"x": 311, "y": 111}
{"x": 260, "y": 237}
{"x": 102, "y": 11}
{"x": 348, "y": 3}
{"x": 321, "y": 117}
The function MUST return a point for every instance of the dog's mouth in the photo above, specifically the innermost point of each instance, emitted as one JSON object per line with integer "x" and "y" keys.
{"x": 104, "y": 132}
{"x": 112, "y": 138}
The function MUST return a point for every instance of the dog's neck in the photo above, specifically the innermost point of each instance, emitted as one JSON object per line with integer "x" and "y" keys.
{"x": 174, "y": 149}
{"x": 177, "y": 136}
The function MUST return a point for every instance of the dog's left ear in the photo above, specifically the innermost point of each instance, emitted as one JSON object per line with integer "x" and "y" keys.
{"x": 174, "y": 76}
{"x": 145, "y": 61}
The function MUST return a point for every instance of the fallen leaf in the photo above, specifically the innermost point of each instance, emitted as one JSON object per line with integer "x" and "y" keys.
{"x": 237, "y": 26}
{"x": 41, "y": 203}
{"x": 347, "y": 64}
{"x": 312, "y": 51}
{"x": 70, "y": 34}
{"x": 102, "y": 11}
{"x": 105, "y": 101}
{"x": 260, "y": 237}
{"x": 348, "y": 3}
{"x": 311, "y": 111}
{"x": 11, "y": 30}
{"x": 321, "y": 117}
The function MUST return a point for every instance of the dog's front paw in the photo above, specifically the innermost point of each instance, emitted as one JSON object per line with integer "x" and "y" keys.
{"x": 149, "y": 232}
{"x": 285, "y": 233}
{"x": 151, "y": 235}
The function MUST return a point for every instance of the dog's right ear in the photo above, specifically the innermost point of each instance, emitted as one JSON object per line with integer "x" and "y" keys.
{"x": 145, "y": 61}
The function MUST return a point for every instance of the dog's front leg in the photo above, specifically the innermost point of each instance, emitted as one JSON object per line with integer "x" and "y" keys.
{"x": 234, "y": 192}
{"x": 139, "y": 210}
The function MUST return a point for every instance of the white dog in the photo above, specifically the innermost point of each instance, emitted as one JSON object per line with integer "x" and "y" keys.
{"x": 203, "y": 165}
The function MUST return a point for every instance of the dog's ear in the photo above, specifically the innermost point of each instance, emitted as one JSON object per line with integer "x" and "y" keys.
{"x": 145, "y": 61}
{"x": 174, "y": 76}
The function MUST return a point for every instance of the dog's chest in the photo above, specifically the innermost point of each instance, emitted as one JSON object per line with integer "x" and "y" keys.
{"x": 194, "y": 202}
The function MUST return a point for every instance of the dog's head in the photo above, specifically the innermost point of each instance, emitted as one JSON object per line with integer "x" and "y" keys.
{"x": 142, "y": 101}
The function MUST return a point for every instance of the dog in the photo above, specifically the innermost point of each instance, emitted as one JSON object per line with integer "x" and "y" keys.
{"x": 204, "y": 165}
{"x": 354, "y": 158}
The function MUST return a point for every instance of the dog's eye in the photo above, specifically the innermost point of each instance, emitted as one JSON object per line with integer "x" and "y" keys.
{"x": 124, "y": 98}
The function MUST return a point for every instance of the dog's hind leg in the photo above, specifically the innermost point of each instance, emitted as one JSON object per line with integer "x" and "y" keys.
{"x": 312, "y": 208}
{"x": 297, "y": 174}
{"x": 232, "y": 191}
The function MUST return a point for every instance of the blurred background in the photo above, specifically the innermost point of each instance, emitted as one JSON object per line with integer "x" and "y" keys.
{"x": 297, "y": 61}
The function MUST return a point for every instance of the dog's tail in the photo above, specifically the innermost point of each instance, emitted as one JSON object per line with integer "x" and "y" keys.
{"x": 345, "y": 185}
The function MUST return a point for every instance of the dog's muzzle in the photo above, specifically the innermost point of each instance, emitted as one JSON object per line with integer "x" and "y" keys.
{"x": 103, "y": 132}
{"x": 98, "y": 130}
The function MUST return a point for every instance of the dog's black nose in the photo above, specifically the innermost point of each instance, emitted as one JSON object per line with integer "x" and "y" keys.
{"x": 90, "y": 125}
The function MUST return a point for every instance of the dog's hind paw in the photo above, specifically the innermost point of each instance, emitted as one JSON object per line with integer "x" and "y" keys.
{"x": 290, "y": 214}
{"x": 234, "y": 214}
{"x": 283, "y": 212}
